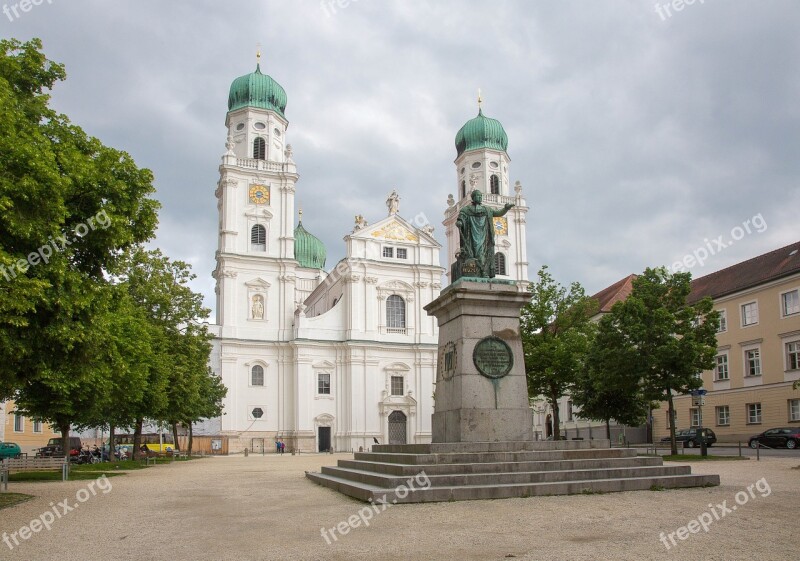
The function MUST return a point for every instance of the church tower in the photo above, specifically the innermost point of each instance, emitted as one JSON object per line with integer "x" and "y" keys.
{"x": 482, "y": 163}
{"x": 256, "y": 269}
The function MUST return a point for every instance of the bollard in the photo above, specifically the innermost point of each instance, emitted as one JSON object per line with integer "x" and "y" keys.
{"x": 758, "y": 451}
{"x": 740, "y": 448}
{"x": 245, "y": 452}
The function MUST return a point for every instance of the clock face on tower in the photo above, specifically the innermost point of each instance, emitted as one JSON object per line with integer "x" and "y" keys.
{"x": 500, "y": 225}
{"x": 259, "y": 194}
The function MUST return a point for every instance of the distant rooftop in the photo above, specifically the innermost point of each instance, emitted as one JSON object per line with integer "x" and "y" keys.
{"x": 753, "y": 272}
{"x": 617, "y": 292}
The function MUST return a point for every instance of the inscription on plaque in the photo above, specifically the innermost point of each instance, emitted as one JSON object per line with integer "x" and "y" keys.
{"x": 493, "y": 357}
{"x": 470, "y": 268}
{"x": 447, "y": 364}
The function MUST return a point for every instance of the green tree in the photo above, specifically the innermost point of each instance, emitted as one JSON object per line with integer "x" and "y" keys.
{"x": 655, "y": 336}
{"x": 69, "y": 206}
{"x": 180, "y": 349}
{"x": 556, "y": 331}
{"x": 610, "y": 387}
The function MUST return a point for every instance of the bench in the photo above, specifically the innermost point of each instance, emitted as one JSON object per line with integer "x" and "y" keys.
{"x": 17, "y": 465}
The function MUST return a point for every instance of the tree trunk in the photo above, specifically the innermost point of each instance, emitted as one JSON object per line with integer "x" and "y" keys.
{"x": 137, "y": 439}
{"x": 673, "y": 443}
{"x": 64, "y": 428}
{"x": 111, "y": 456}
{"x": 556, "y": 418}
{"x": 608, "y": 429}
{"x": 189, "y": 444}
{"x": 175, "y": 435}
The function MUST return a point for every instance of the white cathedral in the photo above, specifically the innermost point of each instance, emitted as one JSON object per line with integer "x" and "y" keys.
{"x": 334, "y": 359}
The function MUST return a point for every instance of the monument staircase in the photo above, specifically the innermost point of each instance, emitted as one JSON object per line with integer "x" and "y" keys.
{"x": 415, "y": 473}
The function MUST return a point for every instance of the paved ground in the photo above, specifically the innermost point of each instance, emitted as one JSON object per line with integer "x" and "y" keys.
{"x": 260, "y": 508}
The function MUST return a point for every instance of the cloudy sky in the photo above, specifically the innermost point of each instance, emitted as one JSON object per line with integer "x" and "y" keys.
{"x": 638, "y": 136}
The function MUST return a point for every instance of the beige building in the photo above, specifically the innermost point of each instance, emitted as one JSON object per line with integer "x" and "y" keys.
{"x": 758, "y": 350}
{"x": 27, "y": 433}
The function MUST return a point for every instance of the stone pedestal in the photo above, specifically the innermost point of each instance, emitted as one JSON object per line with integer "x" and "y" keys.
{"x": 479, "y": 396}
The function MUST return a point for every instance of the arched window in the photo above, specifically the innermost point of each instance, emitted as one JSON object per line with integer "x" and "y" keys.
{"x": 500, "y": 264}
{"x": 494, "y": 183}
{"x": 258, "y": 238}
{"x": 259, "y": 149}
{"x": 257, "y": 376}
{"x": 463, "y": 189}
{"x": 395, "y": 312}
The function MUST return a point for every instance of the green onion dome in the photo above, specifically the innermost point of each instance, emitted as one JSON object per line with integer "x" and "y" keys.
{"x": 481, "y": 132}
{"x": 257, "y": 90}
{"x": 309, "y": 251}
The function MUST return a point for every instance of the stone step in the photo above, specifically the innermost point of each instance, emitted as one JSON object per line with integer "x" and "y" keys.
{"x": 493, "y": 457}
{"x": 506, "y": 467}
{"x": 380, "y": 495}
{"x": 501, "y": 446}
{"x": 485, "y": 479}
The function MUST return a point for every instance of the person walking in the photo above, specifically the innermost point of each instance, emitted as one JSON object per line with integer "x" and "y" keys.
{"x": 283, "y": 446}
{"x": 277, "y": 446}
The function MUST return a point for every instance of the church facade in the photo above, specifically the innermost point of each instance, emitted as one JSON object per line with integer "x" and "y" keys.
{"x": 339, "y": 358}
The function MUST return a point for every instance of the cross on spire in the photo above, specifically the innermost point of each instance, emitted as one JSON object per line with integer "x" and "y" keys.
{"x": 480, "y": 100}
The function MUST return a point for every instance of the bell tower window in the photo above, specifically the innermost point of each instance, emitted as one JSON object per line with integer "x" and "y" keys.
{"x": 258, "y": 238}
{"x": 494, "y": 184}
{"x": 500, "y": 264}
{"x": 259, "y": 149}
{"x": 463, "y": 189}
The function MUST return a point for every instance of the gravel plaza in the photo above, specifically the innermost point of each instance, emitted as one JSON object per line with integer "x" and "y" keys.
{"x": 263, "y": 508}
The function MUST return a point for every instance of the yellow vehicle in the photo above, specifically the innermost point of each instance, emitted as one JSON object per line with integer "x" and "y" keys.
{"x": 155, "y": 442}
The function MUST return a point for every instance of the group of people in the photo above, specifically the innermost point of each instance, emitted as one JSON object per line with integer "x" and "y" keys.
{"x": 280, "y": 446}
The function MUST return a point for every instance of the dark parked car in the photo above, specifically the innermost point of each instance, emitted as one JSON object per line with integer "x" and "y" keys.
{"x": 692, "y": 438}
{"x": 9, "y": 450}
{"x": 784, "y": 437}
{"x": 53, "y": 448}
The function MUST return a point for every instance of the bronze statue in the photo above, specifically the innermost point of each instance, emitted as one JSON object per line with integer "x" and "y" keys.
{"x": 476, "y": 232}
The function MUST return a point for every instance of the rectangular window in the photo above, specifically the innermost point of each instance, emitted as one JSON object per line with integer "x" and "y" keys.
{"x": 723, "y": 415}
{"x": 753, "y": 413}
{"x": 397, "y": 385}
{"x": 793, "y": 355}
{"x": 323, "y": 383}
{"x": 794, "y": 409}
{"x": 790, "y": 302}
{"x": 19, "y": 423}
{"x": 722, "y": 367}
{"x": 402, "y": 253}
{"x": 749, "y": 314}
{"x": 695, "y": 414}
{"x": 723, "y": 321}
{"x": 388, "y": 252}
{"x": 37, "y": 426}
{"x": 752, "y": 362}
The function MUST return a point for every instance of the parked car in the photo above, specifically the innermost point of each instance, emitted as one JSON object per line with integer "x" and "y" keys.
{"x": 9, "y": 450}
{"x": 782, "y": 437}
{"x": 53, "y": 448}
{"x": 692, "y": 438}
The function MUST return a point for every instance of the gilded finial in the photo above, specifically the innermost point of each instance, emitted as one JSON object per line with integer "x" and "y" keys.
{"x": 480, "y": 100}
{"x": 258, "y": 53}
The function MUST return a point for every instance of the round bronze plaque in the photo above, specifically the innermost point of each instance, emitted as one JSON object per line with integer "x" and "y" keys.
{"x": 493, "y": 357}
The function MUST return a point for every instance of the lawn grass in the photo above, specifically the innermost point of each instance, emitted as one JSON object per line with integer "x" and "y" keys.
{"x": 11, "y": 499}
{"x": 698, "y": 458}
{"x": 33, "y": 476}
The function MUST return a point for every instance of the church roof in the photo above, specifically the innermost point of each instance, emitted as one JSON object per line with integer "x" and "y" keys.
{"x": 481, "y": 132}
{"x": 257, "y": 90}
{"x": 309, "y": 250}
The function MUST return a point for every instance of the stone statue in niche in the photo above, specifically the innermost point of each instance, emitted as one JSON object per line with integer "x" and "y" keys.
{"x": 257, "y": 309}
